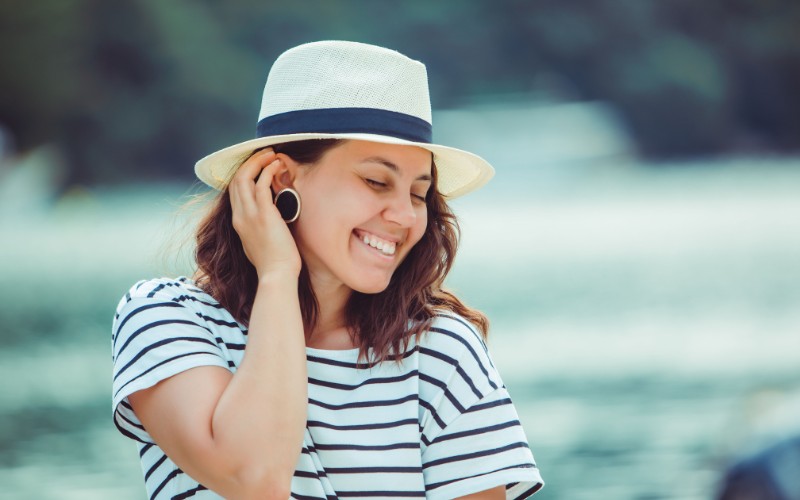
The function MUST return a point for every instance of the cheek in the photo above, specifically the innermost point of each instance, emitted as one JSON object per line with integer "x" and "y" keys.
{"x": 419, "y": 228}
{"x": 326, "y": 219}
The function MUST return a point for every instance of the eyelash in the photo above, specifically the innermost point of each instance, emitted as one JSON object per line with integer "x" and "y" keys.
{"x": 382, "y": 185}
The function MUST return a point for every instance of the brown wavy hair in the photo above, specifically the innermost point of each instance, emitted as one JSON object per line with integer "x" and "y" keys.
{"x": 379, "y": 321}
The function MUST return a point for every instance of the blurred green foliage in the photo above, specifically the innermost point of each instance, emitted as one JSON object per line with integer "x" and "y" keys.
{"x": 144, "y": 87}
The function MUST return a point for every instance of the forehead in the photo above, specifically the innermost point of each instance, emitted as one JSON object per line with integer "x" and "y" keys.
{"x": 403, "y": 160}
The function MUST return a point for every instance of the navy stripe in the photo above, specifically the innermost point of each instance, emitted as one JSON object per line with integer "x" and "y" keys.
{"x": 125, "y": 432}
{"x": 480, "y": 430}
{"x": 347, "y": 120}
{"x": 433, "y": 486}
{"x": 140, "y": 309}
{"x": 189, "y": 493}
{"x": 527, "y": 493}
{"x": 363, "y": 404}
{"x": 377, "y": 380}
{"x": 447, "y": 393}
{"x": 383, "y": 425}
{"x": 359, "y": 447}
{"x": 234, "y": 346}
{"x": 477, "y": 454}
{"x": 433, "y": 413}
{"x": 182, "y": 298}
{"x": 157, "y": 289}
{"x": 159, "y": 344}
{"x": 180, "y": 283}
{"x": 220, "y": 322}
{"x": 471, "y": 350}
{"x": 373, "y": 470}
{"x": 491, "y": 404}
{"x": 454, "y": 363}
{"x": 309, "y": 474}
{"x": 166, "y": 481}
{"x": 155, "y": 324}
{"x": 145, "y": 449}
{"x": 471, "y": 328}
{"x": 306, "y": 497}
{"x": 154, "y": 467}
{"x": 130, "y": 422}
{"x": 381, "y": 494}
{"x": 179, "y": 356}
{"x": 346, "y": 364}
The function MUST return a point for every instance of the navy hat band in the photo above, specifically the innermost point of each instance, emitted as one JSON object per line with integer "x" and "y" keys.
{"x": 347, "y": 121}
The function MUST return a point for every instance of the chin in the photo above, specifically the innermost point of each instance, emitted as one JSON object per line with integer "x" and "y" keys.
{"x": 370, "y": 287}
{"x": 371, "y": 290}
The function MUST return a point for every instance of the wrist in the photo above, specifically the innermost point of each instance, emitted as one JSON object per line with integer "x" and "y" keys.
{"x": 278, "y": 278}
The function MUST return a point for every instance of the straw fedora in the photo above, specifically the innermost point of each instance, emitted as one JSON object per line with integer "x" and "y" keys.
{"x": 348, "y": 90}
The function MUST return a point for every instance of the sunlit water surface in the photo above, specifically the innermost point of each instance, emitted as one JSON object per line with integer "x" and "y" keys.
{"x": 645, "y": 319}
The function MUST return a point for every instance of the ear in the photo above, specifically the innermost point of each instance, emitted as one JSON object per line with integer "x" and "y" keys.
{"x": 286, "y": 175}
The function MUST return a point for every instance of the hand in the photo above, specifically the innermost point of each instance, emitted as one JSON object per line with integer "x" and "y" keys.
{"x": 267, "y": 241}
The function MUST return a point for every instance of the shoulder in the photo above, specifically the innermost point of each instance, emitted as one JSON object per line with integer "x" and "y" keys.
{"x": 179, "y": 291}
{"x": 167, "y": 299}
{"x": 455, "y": 336}
{"x": 180, "y": 288}
{"x": 167, "y": 317}
{"x": 453, "y": 348}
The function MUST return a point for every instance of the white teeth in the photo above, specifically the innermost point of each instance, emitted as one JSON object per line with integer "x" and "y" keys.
{"x": 386, "y": 247}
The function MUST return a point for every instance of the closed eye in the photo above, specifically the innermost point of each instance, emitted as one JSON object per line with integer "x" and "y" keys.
{"x": 418, "y": 198}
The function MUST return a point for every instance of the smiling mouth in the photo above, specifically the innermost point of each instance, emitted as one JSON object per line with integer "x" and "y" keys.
{"x": 385, "y": 247}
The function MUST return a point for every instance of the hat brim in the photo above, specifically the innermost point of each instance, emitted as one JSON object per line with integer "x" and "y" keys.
{"x": 458, "y": 172}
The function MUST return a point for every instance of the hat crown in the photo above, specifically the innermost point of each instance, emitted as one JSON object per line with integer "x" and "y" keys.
{"x": 339, "y": 74}
{"x": 350, "y": 91}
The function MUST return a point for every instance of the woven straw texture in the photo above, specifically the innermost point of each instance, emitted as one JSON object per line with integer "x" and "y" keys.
{"x": 352, "y": 75}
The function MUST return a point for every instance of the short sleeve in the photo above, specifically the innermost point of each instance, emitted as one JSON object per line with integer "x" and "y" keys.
{"x": 472, "y": 438}
{"x": 155, "y": 335}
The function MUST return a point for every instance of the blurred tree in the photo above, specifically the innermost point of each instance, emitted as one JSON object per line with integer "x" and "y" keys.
{"x": 139, "y": 89}
{"x": 41, "y": 74}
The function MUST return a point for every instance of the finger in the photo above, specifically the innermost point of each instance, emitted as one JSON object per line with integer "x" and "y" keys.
{"x": 254, "y": 164}
{"x": 243, "y": 186}
{"x": 263, "y": 191}
{"x": 237, "y": 206}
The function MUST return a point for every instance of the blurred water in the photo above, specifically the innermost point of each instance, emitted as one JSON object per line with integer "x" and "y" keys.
{"x": 644, "y": 318}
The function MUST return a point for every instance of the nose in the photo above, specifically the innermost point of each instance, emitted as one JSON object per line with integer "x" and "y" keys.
{"x": 400, "y": 210}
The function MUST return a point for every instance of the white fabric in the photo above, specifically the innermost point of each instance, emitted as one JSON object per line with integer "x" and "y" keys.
{"x": 314, "y": 75}
{"x": 438, "y": 425}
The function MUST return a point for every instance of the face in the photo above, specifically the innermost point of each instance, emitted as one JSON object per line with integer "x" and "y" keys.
{"x": 363, "y": 210}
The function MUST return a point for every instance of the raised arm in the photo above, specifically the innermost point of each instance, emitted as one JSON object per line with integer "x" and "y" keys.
{"x": 241, "y": 434}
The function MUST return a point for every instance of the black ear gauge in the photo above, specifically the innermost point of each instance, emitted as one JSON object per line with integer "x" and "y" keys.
{"x": 287, "y": 201}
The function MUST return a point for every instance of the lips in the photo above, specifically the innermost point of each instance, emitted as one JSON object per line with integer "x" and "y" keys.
{"x": 386, "y": 247}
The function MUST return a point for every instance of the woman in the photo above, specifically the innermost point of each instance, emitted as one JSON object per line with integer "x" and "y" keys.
{"x": 314, "y": 354}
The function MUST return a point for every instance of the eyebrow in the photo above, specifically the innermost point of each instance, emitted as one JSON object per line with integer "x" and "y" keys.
{"x": 393, "y": 167}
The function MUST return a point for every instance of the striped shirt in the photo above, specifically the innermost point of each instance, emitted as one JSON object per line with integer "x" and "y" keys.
{"x": 438, "y": 425}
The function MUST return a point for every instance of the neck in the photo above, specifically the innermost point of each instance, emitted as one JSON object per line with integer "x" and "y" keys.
{"x": 332, "y": 297}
